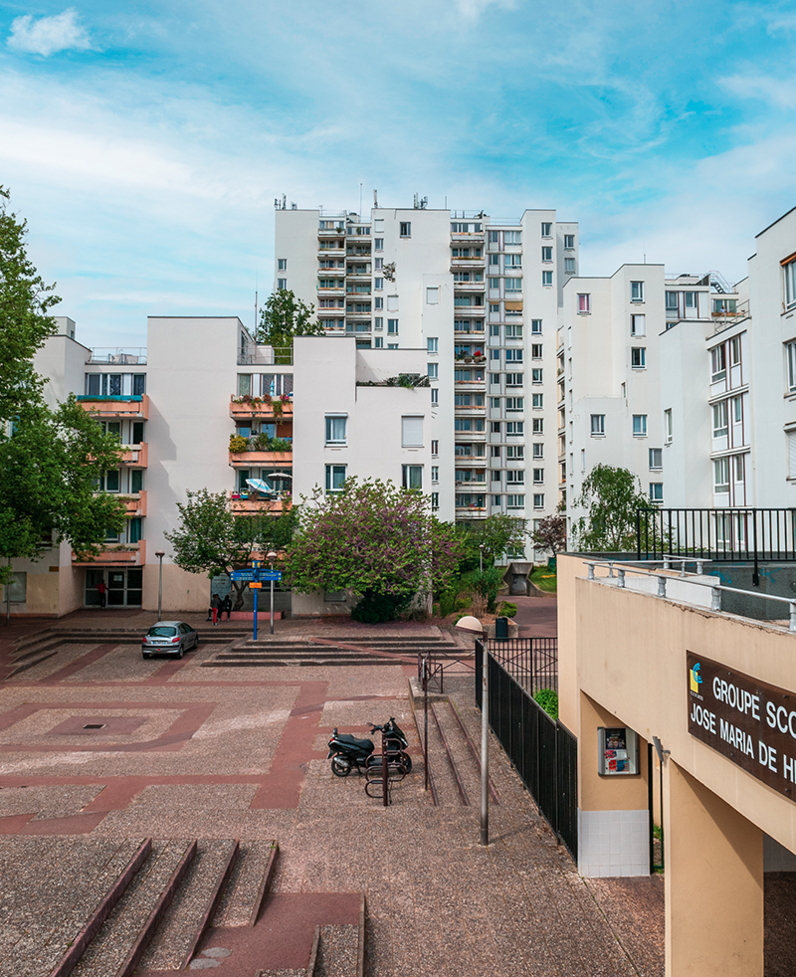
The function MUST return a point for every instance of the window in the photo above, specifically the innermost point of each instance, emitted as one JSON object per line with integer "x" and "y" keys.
{"x": 538, "y": 476}
{"x": 494, "y": 283}
{"x": 547, "y": 230}
{"x": 547, "y": 254}
{"x": 721, "y": 475}
{"x": 432, "y": 295}
{"x": 378, "y": 264}
{"x": 739, "y": 466}
{"x": 406, "y": 229}
{"x": 538, "y": 500}
{"x": 411, "y": 432}
{"x": 336, "y": 428}
{"x": 637, "y": 291}
{"x": 494, "y": 237}
{"x": 515, "y": 379}
{"x": 597, "y": 425}
{"x": 494, "y": 402}
{"x": 512, "y": 237}
{"x": 378, "y": 323}
{"x": 434, "y": 474}
{"x": 515, "y": 501}
{"x": 432, "y": 344}
{"x": 494, "y": 259}
{"x": 515, "y": 477}
{"x": 110, "y": 481}
{"x": 667, "y": 425}
{"x": 569, "y": 241}
{"x": 513, "y": 355}
{"x": 536, "y": 327}
{"x": 656, "y": 459}
{"x": 281, "y": 264}
{"x": 392, "y": 327}
{"x": 790, "y": 359}
{"x": 718, "y": 363}
{"x": 335, "y": 478}
{"x": 378, "y": 285}
{"x": 495, "y": 427}
{"x": 516, "y": 404}
{"x": 639, "y": 425}
{"x": 656, "y": 491}
{"x": 412, "y": 477}
{"x": 537, "y": 401}
{"x": 538, "y": 451}
{"x": 281, "y": 284}
{"x": 638, "y": 325}
{"x": 569, "y": 266}
{"x": 435, "y": 449}
{"x": 584, "y": 302}
{"x": 638, "y": 357}
{"x": 379, "y": 302}
{"x": 434, "y": 500}
{"x": 735, "y": 351}
{"x": 468, "y": 424}
{"x": 435, "y": 397}
{"x": 514, "y": 428}
{"x": 547, "y": 278}
{"x": 789, "y": 273}
{"x": 432, "y": 370}
{"x": 536, "y": 351}
{"x": 737, "y": 409}
{"x": 494, "y": 354}
{"x": 378, "y": 243}
{"x": 392, "y": 303}
{"x": 720, "y": 426}
{"x": 512, "y": 261}
{"x": 538, "y": 425}
{"x": 378, "y": 342}
{"x": 536, "y": 375}
{"x": 17, "y": 588}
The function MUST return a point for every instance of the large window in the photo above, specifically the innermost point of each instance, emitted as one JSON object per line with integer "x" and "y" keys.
{"x": 412, "y": 477}
{"x": 638, "y": 357}
{"x": 718, "y": 363}
{"x": 637, "y": 291}
{"x": 656, "y": 459}
{"x": 789, "y": 274}
{"x": 597, "y": 425}
{"x": 412, "y": 432}
{"x": 721, "y": 475}
{"x": 656, "y": 491}
{"x": 336, "y": 428}
{"x": 720, "y": 419}
{"x": 639, "y": 425}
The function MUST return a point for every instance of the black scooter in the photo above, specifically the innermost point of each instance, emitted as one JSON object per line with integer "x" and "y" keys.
{"x": 347, "y": 752}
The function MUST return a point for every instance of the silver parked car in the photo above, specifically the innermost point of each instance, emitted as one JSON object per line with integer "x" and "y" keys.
{"x": 169, "y": 638}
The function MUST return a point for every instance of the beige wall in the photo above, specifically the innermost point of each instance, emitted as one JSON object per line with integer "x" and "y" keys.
{"x": 626, "y": 792}
{"x": 182, "y": 591}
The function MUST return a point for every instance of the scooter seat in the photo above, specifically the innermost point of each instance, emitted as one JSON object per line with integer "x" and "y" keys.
{"x": 360, "y": 744}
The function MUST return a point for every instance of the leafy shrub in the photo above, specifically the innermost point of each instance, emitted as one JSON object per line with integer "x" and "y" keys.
{"x": 375, "y": 608}
{"x": 548, "y": 700}
{"x": 237, "y": 444}
{"x": 485, "y": 584}
{"x": 506, "y": 609}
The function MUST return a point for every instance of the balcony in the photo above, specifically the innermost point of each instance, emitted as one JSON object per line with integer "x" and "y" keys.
{"x": 247, "y": 506}
{"x": 468, "y": 287}
{"x": 336, "y": 289}
{"x": 246, "y": 407}
{"x": 134, "y": 505}
{"x": 115, "y": 555}
{"x": 136, "y": 455}
{"x": 249, "y": 459}
{"x": 135, "y": 407}
{"x": 469, "y": 310}
{"x": 326, "y": 232}
{"x": 471, "y": 512}
{"x": 118, "y": 356}
{"x": 330, "y": 249}
{"x": 458, "y": 237}
{"x": 459, "y": 263}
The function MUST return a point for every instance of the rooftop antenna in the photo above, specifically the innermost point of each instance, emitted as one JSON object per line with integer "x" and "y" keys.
{"x": 375, "y": 199}
{"x": 256, "y": 287}
{"x": 360, "y": 200}
{"x": 284, "y": 201}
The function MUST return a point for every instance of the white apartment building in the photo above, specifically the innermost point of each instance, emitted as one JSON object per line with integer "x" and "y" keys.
{"x": 482, "y": 298}
{"x": 175, "y": 406}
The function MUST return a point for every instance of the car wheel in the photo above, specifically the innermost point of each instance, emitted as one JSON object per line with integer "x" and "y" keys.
{"x": 145, "y": 654}
{"x": 196, "y": 643}
{"x": 180, "y": 651}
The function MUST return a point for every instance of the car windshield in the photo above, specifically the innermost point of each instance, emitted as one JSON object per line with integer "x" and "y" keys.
{"x": 161, "y": 632}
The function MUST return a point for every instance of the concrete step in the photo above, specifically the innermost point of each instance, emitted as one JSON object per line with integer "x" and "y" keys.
{"x": 192, "y": 909}
{"x": 338, "y": 949}
{"x": 241, "y": 903}
{"x": 123, "y": 937}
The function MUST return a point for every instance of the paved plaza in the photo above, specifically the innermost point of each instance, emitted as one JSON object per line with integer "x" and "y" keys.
{"x": 101, "y": 748}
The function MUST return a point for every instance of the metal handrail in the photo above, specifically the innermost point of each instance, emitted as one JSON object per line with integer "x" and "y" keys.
{"x": 715, "y": 589}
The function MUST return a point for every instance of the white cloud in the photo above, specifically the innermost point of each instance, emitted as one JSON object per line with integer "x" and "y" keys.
{"x": 472, "y": 9}
{"x": 777, "y": 92}
{"x": 47, "y": 35}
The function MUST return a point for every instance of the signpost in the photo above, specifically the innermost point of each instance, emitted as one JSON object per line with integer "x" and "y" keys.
{"x": 255, "y": 577}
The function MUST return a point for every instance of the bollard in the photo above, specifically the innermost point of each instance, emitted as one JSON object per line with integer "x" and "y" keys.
{"x": 661, "y": 586}
{"x": 700, "y": 566}
{"x": 792, "y": 625}
{"x": 591, "y": 572}
{"x": 621, "y": 582}
{"x": 715, "y": 599}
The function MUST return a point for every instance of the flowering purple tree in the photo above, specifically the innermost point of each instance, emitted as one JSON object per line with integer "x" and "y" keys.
{"x": 374, "y": 540}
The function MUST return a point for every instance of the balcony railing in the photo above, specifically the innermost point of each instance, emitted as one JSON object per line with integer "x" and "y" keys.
{"x": 135, "y": 406}
{"x": 115, "y": 554}
{"x": 117, "y": 356}
{"x": 136, "y": 455}
{"x": 244, "y": 505}
{"x": 248, "y": 407}
{"x": 250, "y": 458}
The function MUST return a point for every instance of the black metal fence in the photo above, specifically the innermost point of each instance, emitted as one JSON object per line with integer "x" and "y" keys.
{"x": 532, "y": 662}
{"x": 720, "y": 535}
{"x": 543, "y": 751}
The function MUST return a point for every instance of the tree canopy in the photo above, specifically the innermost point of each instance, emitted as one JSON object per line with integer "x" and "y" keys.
{"x": 498, "y": 533}
{"x": 50, "y": 459}
{"x": 550, "y": 534}
{"x": 284, "y": 317}
{"x": 374, "y": 540}
{"x": 611, "y": 496}
{"x": 212, "y": 539}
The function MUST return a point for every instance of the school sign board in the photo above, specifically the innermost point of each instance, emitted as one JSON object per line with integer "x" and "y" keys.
{"x": 751, "y": 723}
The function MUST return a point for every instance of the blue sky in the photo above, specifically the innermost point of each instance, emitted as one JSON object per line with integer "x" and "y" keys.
{"x": 145, "y": 143}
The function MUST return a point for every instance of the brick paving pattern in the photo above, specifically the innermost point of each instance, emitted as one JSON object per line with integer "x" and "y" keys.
{"x": 215, "y": 754}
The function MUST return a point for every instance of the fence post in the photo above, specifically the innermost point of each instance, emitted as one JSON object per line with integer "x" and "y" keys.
{"x": 700, "y": 567}
{"x": 792, "y": 625}
{"x": 484, "y": 746}
{"x": 715, "y": 599}
{"x": 621, "y": 574}
{"x": 591, "y": 572}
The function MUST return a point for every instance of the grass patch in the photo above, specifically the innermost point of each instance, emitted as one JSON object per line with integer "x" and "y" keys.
{"x": 545, "y": 579}
{"x": 548, "y": 700}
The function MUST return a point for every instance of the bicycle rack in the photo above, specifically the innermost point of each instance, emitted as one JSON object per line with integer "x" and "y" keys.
{"x": 374, "y": 774}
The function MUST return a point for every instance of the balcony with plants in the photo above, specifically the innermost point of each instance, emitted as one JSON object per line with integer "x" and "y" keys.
{"x": 123, "y": 406}
{"x": 260, "y": 449}
{"x": 246, "y": 407}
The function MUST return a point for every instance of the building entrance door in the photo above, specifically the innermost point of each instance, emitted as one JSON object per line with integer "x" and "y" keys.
{"x": 124, "y": 586}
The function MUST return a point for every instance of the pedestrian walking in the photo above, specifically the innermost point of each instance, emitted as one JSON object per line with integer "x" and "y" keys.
{"x": 226, "y": 605}
{"x": 215, "y": 603}
{"x": 102, "y": 590}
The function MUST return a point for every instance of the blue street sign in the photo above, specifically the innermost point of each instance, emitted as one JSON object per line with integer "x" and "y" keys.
{"x": 256, "y": 564}
{"x": 251, "y": 576}
{"x": 247, "y": 575}
{"x": 269, "y": 574}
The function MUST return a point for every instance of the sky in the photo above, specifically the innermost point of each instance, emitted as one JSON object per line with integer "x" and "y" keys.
{"x": 144, "y": 143}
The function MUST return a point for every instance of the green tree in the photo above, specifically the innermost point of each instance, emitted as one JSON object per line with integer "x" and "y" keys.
{"x": 499, "y": 534}
{"x": 374, "y": 540}
{"x": 282, "y": 319}
{"x": 212, "y": 539}
{"x": 611, "y": 496}
{"x": 50, "y": 459}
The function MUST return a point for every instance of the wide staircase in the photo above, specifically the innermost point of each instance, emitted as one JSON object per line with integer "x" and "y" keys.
{"x": 163, "y": 907}
{"x": 342, "y": 649}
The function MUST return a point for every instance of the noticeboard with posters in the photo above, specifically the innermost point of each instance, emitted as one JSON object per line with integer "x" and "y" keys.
{"x": 618, "y": 754}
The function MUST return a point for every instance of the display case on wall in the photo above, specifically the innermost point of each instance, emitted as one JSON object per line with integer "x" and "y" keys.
{"x": 618, "y": 751}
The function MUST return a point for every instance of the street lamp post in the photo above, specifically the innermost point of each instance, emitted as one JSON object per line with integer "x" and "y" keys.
{"x": 481, "y": 557}
{"x": 160, "y": 554}
{"x": 271, "y": 556}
